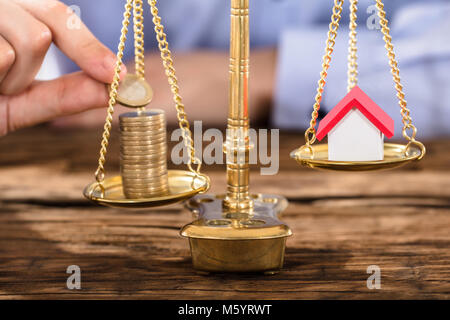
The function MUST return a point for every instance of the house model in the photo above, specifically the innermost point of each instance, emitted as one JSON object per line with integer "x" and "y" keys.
{"x": 356, "y": 127}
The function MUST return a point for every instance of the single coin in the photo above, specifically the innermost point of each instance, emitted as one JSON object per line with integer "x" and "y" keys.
{"x": 127, "y": 136}
{"x": 146, "y": 150}
{"x": 142, "y": 192}
{"x": 144, "y": 129}
{"x": 134, "y": 92}
{"x": 151, "y": 147}
{"x": 143, "y": 155}
{"x": 135, "y": 168}
{"x": 135, "y": 196}
{"x": 142, "y": 158}
{"x": 145, "y": 163}
{"x": 142, "y": 143}
{"x": 146, "y": 195}
{"x": 142, "y": 183}
{"x": 142, "y": 116}
{"x": 152, "y": 132}
{"x": 138, "y": 168}
{"x": 145, "y": 175}
{"x": 135, "y": 176}
{"x": 135, "y": 185}
{"x": 140, "y": 119}
{"x": 146, "y": 182}
{"x": 146, "y": 172}
{"x": 130, "y": 138}
{"x": 142, "y": 150}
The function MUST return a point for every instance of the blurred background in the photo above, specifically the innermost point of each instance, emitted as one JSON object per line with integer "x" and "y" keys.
{"x": 287, "y": 41}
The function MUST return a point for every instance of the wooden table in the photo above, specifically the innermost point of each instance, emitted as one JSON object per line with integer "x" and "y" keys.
{"x": 398, "y": 220}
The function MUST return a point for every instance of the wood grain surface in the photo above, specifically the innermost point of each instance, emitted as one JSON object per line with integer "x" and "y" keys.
{"x": 398, "y": 220}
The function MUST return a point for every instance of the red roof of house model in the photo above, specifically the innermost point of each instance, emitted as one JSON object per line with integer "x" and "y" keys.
{"x": 356, "y": 98}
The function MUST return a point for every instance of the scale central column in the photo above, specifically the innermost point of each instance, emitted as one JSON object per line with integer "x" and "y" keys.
{"x": 237, "y": 146}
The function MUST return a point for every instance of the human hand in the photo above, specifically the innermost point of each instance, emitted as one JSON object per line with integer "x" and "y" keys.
{"x": 27, "y": 28}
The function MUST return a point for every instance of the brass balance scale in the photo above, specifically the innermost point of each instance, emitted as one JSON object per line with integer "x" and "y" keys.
{"x": 237, "y": 231}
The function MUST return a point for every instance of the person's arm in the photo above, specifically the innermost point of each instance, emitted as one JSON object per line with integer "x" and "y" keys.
{"x": 27, "y": 28}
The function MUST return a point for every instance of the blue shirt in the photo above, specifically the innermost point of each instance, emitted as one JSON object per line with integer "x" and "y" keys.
{"x": 298, "y": 28}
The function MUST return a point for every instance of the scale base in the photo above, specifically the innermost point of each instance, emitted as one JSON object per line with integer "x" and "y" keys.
{"x": 224, "y": 241}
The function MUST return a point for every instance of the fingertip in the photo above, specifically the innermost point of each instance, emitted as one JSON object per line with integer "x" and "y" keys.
{"x": 109, "y": 65}
{"x": 123, "y": 72}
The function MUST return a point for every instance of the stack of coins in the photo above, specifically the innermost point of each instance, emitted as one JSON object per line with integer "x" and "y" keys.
{"x": 143, "y": 154}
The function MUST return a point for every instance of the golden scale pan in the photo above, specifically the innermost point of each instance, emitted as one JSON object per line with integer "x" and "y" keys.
{"x": 236, "y": 232}
{"x": 395, "y": 155}
{"x": 134, "y": 92}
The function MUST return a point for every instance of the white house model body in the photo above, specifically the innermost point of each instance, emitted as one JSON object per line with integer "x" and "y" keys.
{"x": 356, "y": 128}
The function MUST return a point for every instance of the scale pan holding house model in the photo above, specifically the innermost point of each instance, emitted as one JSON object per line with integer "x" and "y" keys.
{"x": 356, "y": 126}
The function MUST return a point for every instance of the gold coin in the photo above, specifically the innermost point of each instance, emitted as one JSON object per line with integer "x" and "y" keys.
{"x": 146, "y": 195}
{"x": 143, "y": 121}
{"x": 136, "y": 118}
{"x": 147, "y": 128}
{"x": 144, "y": 133}
{"x": 133, "y": 167}
{"x": 141, "y": 143}
{"x": 144, "y": 163}
{"x": 147, "y": 150}
{"x": 138, "y": 150}
{"x": 134, "y": 92}
{"x": 137, "y": 168}
{"x": 145, "y": 190}
{"x": 143, "y": 175}
{"x": 136, "y": 174}
{"x": 143, "y": 156}
{"x": 145, "y": 185}
{"x": 147, "y": 139}
{"x": 148, "y": 115}
{"x": 150, "y": 181}
{"x": 143, "y": 137}
{"x": 139, "y": 176}
{"x": 144, "y": 142}
{"x": 153, "y": 128}
{"x": 146, "y": 159}
{"x": 142, "y": 192}
{"x": 154, "y": 166}
{"x": 142, "y": 172}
